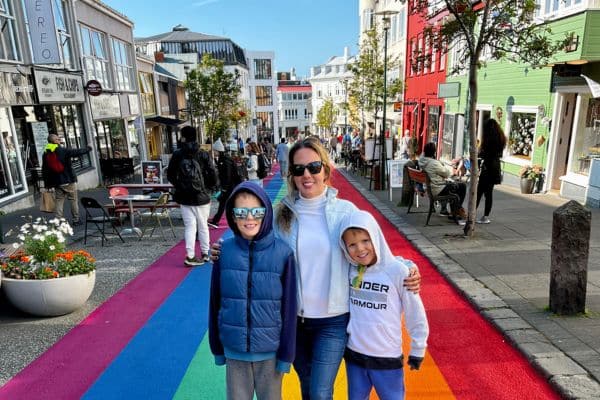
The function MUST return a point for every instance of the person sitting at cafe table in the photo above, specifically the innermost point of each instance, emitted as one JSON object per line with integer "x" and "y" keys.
{"x": 439, "y": 175}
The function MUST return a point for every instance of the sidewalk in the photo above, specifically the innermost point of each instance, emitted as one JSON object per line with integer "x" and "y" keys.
{"x": 504, "y": 271}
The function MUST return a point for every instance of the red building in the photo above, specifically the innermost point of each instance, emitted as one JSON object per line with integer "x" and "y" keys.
{"x": 425, "y": 69}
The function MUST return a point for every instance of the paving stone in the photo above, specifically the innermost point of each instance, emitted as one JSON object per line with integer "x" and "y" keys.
{"x": 500, "y": 313}
{"x": 577, "y": 387}
{"x": 559, "y": 365}
{"x": 525, "y": 336}
{"x": 539, "y": 350}
{"x": 509, "y": 324}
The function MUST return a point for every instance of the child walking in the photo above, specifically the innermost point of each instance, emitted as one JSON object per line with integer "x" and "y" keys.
{"x": 377, "y": 301}
{"x": 252, "y": 317}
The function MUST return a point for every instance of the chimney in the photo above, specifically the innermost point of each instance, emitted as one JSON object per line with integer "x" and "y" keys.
{"x": 293, "y": 74}
{"x": 159, "y": 56}
{"x": 346, "y": 53}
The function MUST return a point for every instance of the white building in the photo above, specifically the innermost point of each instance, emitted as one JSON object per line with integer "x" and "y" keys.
{"x": 294, "y": 106}
{"x": 263, "y": 102}
{"x": 368, "y": 13}
{"x": 329, "y": 81}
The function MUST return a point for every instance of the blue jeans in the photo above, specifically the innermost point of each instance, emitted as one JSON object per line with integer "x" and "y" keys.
{"x": 388, "y": 383}
{"x": 320, "y": 344}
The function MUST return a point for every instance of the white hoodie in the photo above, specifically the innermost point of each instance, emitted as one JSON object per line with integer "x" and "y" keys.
{"x": 376, "y": 307}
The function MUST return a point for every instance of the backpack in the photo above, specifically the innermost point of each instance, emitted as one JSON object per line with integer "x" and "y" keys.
{"x": 240, "y": 171}
{"x": 54, "y": 163}
{"x": 262, "y": 166}
{"x": 189, "y": 176}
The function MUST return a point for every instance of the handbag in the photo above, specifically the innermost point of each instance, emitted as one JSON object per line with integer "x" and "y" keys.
{"x": 47, "y": 201}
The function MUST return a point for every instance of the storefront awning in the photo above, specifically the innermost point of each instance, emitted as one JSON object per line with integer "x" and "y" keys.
{"x": 165, "y": 120}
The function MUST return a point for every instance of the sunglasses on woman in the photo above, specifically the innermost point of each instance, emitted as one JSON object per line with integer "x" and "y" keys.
{"x": 313, "y": 167}
{"x": 243, "y": 212}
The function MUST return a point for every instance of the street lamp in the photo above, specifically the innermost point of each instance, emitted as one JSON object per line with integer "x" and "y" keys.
{"x": 386, "y": 18}
{"x": 345, "y": 83}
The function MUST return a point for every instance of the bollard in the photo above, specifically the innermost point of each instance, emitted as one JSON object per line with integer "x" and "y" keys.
{"x": 571, "y": 226}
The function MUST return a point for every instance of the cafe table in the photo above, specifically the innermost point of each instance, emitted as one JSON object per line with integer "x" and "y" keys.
{"x": 130, "y": 198}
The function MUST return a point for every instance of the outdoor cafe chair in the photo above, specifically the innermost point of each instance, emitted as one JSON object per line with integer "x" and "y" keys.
{"x": 96, "y": 214}
{"x": 152, "y": 217}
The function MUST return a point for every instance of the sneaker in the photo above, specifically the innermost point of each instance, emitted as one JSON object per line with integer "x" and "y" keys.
{"x": 444, "y": 213}
{"x": 483, "y": 220}
{"x": 77, "y": 223}
{"x": 206, "y": 258}
{"x": 193, "y": 262}
{"x": 462, "y": 222}
{"x": 214, "y": 226}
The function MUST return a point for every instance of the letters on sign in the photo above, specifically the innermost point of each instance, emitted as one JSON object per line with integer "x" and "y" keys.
{"x": 42, "y": 32}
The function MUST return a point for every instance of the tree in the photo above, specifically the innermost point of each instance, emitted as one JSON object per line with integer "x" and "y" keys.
{"x": 504, "y": 29}
{"x": 213, "y": 95}
{"x": 366, "y": 86}
{"x": 326, "y": 115}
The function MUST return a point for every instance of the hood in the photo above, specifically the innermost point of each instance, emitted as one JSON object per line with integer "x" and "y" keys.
{"x": 51, "y": 147}
{"x": 267, "y": 224}
{"x": 424, "y": 161}
{"x": 188, "y": 148}
{"x": 218, "y": 146}
{"x": 364, "y": 220}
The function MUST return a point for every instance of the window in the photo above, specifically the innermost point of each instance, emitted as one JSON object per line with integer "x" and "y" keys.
{"x": 262, "y": 69}
{"x": 367, "y": 19}
{"x": 147, "y": 93}
{"x": 550, "y": 8}
{"x": 9, "y": 46}
{"x": 123, "y": 65}
{"x": 61, "y": 19}
{"x": 522, "y": 131}
{"x": 95, "y": 58}
{"x": 264, "y": 96}
{"x": 11, "y": 181}
{"x": 111, "y": 140}
{"x": 587, "y": 140}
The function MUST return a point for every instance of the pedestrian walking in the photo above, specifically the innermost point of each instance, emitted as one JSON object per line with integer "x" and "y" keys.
{"x": 374, "y": 357}
{"x": 492, "y": 146}
{"x": 252, "y": 317}
{"x": 256, "y": 165}
{"x": 192, "y": 173}
{"x": 282, "y": 157}
{"x": 228, "y": 179}
{"x": 57, "y": 172}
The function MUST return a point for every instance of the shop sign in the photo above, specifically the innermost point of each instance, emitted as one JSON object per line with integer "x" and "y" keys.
{"x": 134, "y": 104}
{"x": 105, "y": 106}
{"x": 447, "y": 90}
{"x": 15, "y": 88}
{"x": 397, "y": 106}
{"x": 44, "y": 41}
{"x": 58, "y": 87}
{"x": 40, "y": 133}
{"x": 94, "y": 88}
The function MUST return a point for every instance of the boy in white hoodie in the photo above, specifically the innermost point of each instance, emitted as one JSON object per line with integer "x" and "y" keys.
{"x": 377, "y": 301}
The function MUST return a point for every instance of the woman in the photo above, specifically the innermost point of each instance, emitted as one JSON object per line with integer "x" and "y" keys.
{"x": 492, "y": 146}
{"x": 253, "y": 152}
{"x": 308, "y": 214}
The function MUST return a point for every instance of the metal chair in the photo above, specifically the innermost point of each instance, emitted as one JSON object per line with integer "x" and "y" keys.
{"x": 159, "y": 210}
{"x": 95, "y": 213}
{"x": 419, "y": 181}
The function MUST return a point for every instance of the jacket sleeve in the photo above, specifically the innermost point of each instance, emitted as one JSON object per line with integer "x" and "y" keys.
{"x": 415, "y": 320}
{"x": 438, "y": 168}
{"x": 77, "y": 152}
{"x": 45, "y": 172}
{"x": 210, "y": 175}
{"x": 253, "y": 163}
{"x": 172, "y": 169}
{"x": 227, "y": 174}
{"x": 289, "y": 311}
{"x": 216, "y": 347}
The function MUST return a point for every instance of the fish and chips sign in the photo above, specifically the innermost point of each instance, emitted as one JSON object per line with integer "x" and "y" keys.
{"x": 58, "y": 87}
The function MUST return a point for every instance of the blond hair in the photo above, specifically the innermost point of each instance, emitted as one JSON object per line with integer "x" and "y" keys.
{"x": 283, "y": 214}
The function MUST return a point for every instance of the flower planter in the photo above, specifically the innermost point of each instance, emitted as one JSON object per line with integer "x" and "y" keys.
{"x": 49, "y": 297}
{"x": 527, "y": 185}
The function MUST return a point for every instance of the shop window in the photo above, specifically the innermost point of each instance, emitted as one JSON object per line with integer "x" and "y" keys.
{"x": 147, "y": 93}
{"x": 123, "y": 65}
{"x": 111, "y": 139}
{"x": 433, "y": 123}
{"x": 11, "y": 181}
{"x": 9, "y": 46}
{"x": 522, "y": 132}
{"x": 264, "y": 96}
{"x": 134, "y": 140}
{"x": 587, "y": 140}
{"x": 262, "y": 69}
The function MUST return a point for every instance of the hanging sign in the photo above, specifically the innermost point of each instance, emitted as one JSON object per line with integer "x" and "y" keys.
{"x": 94, "y": 88}
{"x": 42, "y": 32}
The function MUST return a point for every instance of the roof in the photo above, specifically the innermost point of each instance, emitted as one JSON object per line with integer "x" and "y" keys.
{"x": 160, "y": 70}
{"x": 179, "y": 34}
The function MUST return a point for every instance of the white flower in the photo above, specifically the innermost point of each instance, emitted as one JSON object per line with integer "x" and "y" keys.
{"x": 21, "y": 237}
{"x": 15, "y": 245}
{"x": 61, "y": 239}
{"x": 52, "y": 247}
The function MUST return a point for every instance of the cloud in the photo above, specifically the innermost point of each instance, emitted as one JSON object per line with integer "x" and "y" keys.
{"x": 203, "y": 2}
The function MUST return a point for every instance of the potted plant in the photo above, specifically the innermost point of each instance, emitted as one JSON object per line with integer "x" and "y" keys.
{"x": 529, "y": 175}
{"x": 42, "y": 277}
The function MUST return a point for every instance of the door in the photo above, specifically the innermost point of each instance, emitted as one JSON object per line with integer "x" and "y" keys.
{"x": 564, "y": 129}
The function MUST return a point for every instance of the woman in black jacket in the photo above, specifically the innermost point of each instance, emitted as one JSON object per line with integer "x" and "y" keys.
{"x": 493, "y": 143}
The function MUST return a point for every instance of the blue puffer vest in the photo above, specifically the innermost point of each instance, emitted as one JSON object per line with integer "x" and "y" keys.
{"x": 248, "y": 271}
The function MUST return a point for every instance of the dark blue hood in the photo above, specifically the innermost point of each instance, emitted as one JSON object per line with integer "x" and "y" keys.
{"x": 188, "y": 148}
{"x": 253, "y": 188}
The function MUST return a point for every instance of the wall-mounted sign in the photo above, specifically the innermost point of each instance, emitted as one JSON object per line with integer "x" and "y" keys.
{"x": 450, "y": 89}
{"x": 94, "y": 88}
{"x": 58, "y": 87}
{"x": 105, "y": 106}
{"x": 397, "y": 106}
{"x": 42, "y": 31}
{"x": 15, "y": 88}
{"x": 134, "y": 104}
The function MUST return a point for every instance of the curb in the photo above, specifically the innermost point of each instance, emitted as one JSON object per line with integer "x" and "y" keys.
{"x": 562, "y": 372}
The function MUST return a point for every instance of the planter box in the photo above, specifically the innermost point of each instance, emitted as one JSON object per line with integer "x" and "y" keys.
{"x": 49, "y": 297}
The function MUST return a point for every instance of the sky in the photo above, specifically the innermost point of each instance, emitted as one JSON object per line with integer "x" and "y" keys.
{"x": 302, "y": 33}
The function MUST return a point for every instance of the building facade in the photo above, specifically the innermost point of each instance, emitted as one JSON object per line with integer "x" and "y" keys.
{"x": 294, "y": 106}
{"x": 262, "y": 83}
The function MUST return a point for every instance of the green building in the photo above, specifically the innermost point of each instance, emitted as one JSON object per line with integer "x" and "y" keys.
{"x": 549, "y": 113}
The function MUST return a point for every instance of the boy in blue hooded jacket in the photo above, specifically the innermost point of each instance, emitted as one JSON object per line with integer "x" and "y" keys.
{"x": 252, "y": 318}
